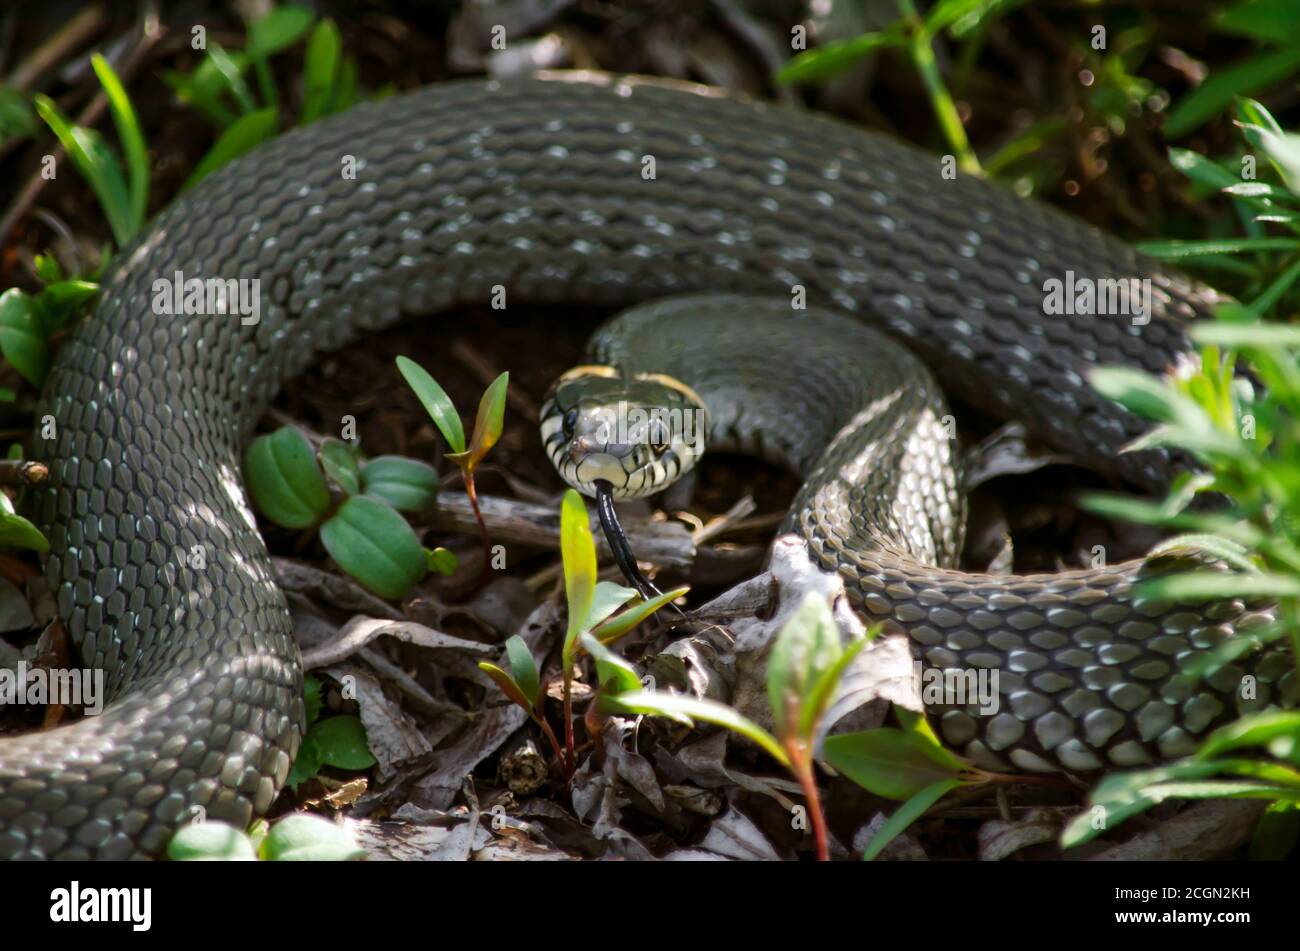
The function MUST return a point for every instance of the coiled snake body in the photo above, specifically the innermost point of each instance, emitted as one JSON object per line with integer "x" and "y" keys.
{"x": 582, "y": 188}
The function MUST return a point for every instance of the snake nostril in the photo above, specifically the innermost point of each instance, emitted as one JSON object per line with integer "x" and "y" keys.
{"x": 581, "y": 448}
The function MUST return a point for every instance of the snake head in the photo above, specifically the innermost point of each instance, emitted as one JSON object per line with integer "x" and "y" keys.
{"x": 638, "y": 432}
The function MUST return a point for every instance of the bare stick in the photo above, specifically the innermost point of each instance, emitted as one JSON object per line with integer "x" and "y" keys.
{"x": 65, "y": 40}
{"x": 667, "y": 544}
{"x": 23, "y": 472}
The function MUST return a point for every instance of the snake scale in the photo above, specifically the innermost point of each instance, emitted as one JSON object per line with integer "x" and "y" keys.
{"x": 542, "y": 186}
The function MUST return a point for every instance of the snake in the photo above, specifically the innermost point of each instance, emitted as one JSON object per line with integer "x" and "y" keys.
{"x": 602, "y": 191}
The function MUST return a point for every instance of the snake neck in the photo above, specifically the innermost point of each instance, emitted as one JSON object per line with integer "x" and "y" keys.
{"x": 853, "y": 414}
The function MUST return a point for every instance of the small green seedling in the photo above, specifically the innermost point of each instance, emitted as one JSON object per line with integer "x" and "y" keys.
{"x": 523, "y": 686}
{"x": 488, "y": 424}
{"x": 29, "y": 321}
{"x": 1218, "y": 770}
{"x": 353, "y": 503}
{"x": 339, "y": 741}
{"x": 592, "y": 622}
{"x": 804, "y": 670}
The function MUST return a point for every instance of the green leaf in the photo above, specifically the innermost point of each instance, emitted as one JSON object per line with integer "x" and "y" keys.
{"x": 1282, "y": 150}
{"x": 1180, "y": 250}
{"x": 962, "y": 16}
{"x": 1276, "y": 834}
{"x": 1258, "y": 190}
{"x": 257, "y": 832}
{"x": 1269, "y": 21}
{"x": 507, "y": 685}
{"x": 305, "y": 765}
{"x": 285, "y": 480}
{"x": 408, "y": 485}
{"x": 376, "y": 546}
{"x": 1253, "y": 112}
{"x": 1221, "y": 789}
{"x": 917, "y": 726}
{"x": 1195, "y": 586}
{"x": 609, "y": 631}
{"x": 59, "y": 302}
{"x": 203, "y": 90}
{"x": 578, "y": 552}
{"x": 95, "y": 160}
{"x": 22, "y": 336}
{"x": 302, "y": 837}
{"x": 436, "y": 402}
{"x": 442, "y": 560}
{"x": 320, "y": 71}
{"x": 341, "y": 742}
{"x": 819, "y": 697}
{"x": 278, "y": 30}
{"x": 1212, "y": 96}
{"x": 820, "y": 64}
{"x": 1257, "y": 729}
{"x": 1121, "y": 796}
{"x": 886, "y": 762}
{"x": 132, "y": 139}
{"x": 1246, "y": 335}
{"x": 210, "y": 842}
{"x": 311, "y": 690}
{"x": 1190, "y": 425}
{"x": 488, "y": 424}
{"x": 614, "y": 675}
{"x": 1201, "y": 169}
{"x": 17, "y": 120}
{"x": 1216, "y": 546}
{"x": 231, "y": 70}
{"x": 686, "y": 710}
{"x": 48, "y": 268}
{"x": 906, "y": 814}
{"x": 265, "y": 82}
{"x": 348, "y": 92}
{"x": 805, "y": 649}
{"x": 17, "y": 532}
{"x": 1262, "y": 131}
{"x": 523, "y": 669}
{"x": 339, "y": 460}
{"x": 1273, "y": 293}
{"x": 607, "y": 598}
{"x": 244, "y": 133}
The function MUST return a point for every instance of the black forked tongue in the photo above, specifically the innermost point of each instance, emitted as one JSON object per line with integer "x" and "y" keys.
{"x": 618, "y": 542}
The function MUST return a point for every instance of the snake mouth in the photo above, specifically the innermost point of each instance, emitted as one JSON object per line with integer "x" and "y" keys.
{"x": 627, "y": 471}
{"x": 636, "y": 435}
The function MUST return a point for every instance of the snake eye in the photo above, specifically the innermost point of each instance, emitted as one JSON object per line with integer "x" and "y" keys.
{"x": 570, "y": 423}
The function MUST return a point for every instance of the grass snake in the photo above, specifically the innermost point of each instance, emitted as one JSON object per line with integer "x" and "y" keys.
{"x": 573, "y": 188}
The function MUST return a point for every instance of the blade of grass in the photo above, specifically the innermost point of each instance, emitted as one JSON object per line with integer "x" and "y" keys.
{"x": 244, "y": 133}
{"x": 132, "y": 139}
{"x": 97, "y": 164}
